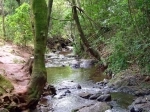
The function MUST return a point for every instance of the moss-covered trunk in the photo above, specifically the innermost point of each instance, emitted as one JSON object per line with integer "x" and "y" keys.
{"x": 92, "y": 51}
{"x": 3, "y": 19}
{"x": 39, "y": 75}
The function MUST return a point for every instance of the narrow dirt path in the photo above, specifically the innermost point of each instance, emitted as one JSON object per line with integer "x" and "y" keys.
{"x": 12, "y": 59}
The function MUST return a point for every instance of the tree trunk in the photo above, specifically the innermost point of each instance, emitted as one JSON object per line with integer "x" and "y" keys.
{"x": 3, "y": 19}
{"x": 50, "y": 3}
{"x": 92, "y": 51}
{"x": 39, "y": 75}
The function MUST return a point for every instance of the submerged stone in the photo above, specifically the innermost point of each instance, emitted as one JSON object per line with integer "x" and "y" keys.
{"x": 97, "y": 107}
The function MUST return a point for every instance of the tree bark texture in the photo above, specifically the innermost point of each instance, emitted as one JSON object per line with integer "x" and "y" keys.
{"x": 3, "y": 19}
{"x": 50, "y": 3}
{"x": 39, "y": 75}
{"x": 92, "y": 51}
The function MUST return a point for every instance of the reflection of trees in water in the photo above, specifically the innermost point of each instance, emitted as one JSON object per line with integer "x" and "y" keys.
{"x": 56, "y": 74}
{"x": 96, "y": 74}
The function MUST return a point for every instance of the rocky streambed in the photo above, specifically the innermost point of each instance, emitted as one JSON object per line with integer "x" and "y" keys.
{"x": 81, "y": 87}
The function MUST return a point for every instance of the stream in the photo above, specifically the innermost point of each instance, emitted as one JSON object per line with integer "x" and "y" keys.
{"x": 76, "y": 81}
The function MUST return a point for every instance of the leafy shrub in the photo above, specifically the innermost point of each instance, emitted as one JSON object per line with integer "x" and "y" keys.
{"x": 119, "y": 58}
{"x": 18, "y": 25}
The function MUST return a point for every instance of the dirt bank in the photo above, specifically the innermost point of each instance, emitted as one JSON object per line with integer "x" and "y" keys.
{"x": 12, "y": 59}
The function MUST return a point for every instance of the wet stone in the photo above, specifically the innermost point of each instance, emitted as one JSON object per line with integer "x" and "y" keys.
{"x": 78, "y": 86}
{"x": 109, "y": 110}
{"x": 105, "y": 81}
{"x": 67, "y": 91}
{"x": 87, "y": 63}
{"x": 3, "y": 110}
{"x": 106, "y": 91}
{"x": 69, "y": 85}
{"x": 139, "y": 93}
{"x": 140, "y": 100}
{"x": 127, "y": 89}
{"x": 147, "y": 97}
{"x": 98, "y": 107}
{"x": 95, "y": 96}
{"x": 101, "y": 83}
{"x": 106, "y": 97}
{"x": 141, "y": 104}
{"x": 85, "y": 95}
{"x": 49, "y": 90}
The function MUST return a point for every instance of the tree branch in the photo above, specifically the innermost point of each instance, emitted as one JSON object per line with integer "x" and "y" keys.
{"x": 62, "y": 19}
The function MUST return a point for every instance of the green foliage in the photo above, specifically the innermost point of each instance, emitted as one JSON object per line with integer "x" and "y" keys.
{"x": 78, "y": 47}
{"x": 122, "y": 24}
{"x": 131, "y": 40}
{"x": 10, "y": 6}
{"x": 119, "y": 58}
{"x": 18, "y": 25}
{"x": 61, "y": 16}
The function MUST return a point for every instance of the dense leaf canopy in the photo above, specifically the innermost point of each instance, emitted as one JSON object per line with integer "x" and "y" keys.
{"x": 119, "y": 29}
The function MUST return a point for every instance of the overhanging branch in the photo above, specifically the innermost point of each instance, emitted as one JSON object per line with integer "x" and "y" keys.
{"x": 61, "y": 19}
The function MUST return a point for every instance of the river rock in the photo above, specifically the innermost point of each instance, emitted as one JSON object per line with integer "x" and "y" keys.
{"x": 69, "y": 85}
{"x": 107, "y": 91}
{"x": 3, "y": 110}
{"x": 67, "y": 91}
{"x": 85, "y": 95}
{"x": 98, "y": 107}
{"x": 141, "y": 104}
{"x": 141, "y": 92}
{"x": 105, "y": 81}
{"x": 140, "y": 100}
{"x": 75, "y": 64}
{"x": 101, "y": 83}
{"x": 44, "y": 109}
{"x": 87, "y": 63}
{"x": 127, "y": 89}
{"x": 109, "y": 110}
{"x": 106, "y": 97}
{"x": 49, "y": 90}
{"x": 147, "y": 97}
{"x": 95, "y": 96}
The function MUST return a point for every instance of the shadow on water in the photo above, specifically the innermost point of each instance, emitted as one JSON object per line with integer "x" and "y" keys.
{"x": 82, "y": 75}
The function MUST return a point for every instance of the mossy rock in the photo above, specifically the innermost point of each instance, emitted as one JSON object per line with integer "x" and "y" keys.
{"x": 5, "y": 85}
{"x": 97, "y": 107}
{"x": 124, "y": 78}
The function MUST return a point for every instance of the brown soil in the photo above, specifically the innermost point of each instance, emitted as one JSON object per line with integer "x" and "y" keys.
{"x": 12, "y": 59}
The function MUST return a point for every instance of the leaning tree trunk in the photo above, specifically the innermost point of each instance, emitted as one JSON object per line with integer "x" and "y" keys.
{"x": 92, "y": 51}
{"x": 39, "y": 74}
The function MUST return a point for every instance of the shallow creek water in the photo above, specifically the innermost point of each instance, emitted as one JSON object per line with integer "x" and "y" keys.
{"x": 84, "y": 76}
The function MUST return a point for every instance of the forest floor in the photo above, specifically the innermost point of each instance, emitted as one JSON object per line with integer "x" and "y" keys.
{"x": 12, "y": 59}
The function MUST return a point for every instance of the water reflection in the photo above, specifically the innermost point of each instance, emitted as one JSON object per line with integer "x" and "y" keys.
{"x": 81, "y": 75}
